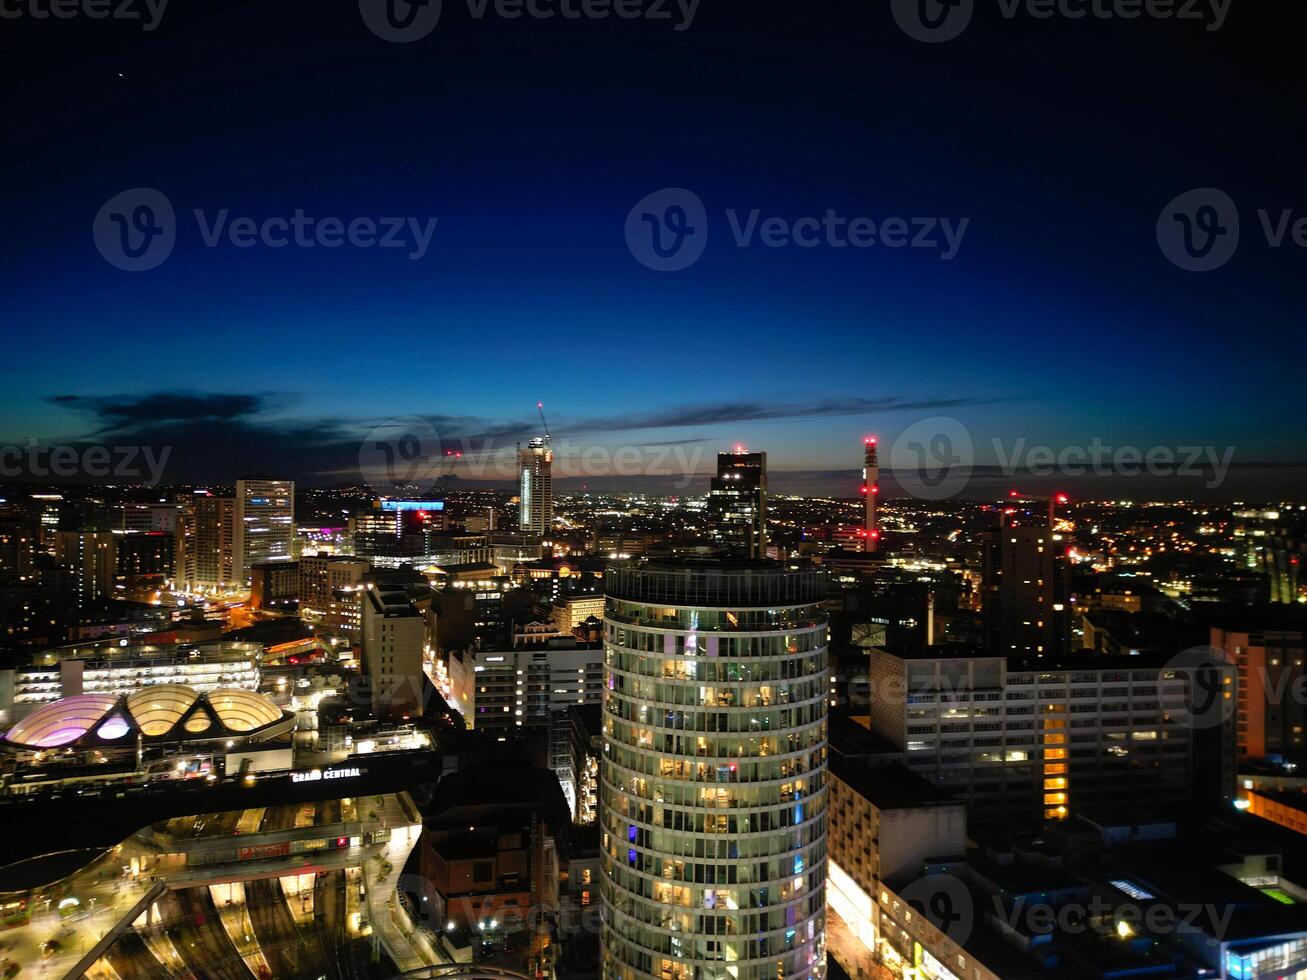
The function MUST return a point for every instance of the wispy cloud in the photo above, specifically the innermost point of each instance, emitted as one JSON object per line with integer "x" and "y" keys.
{"x": 216, "y": 434}
{"x": 121, "y": 412}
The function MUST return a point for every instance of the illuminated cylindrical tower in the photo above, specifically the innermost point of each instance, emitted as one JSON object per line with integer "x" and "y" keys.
{"x": 871, "y": 492}
{"x": 712, "y": 783}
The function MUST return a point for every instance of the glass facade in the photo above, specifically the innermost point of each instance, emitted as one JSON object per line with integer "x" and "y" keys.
{"x": 712, "y": 784}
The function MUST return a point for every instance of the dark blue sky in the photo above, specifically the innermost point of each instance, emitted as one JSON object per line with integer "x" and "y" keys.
{"x": 1059, "y": 320}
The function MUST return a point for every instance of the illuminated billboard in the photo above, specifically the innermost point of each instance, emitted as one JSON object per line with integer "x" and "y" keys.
{"x": 403, "y": 505}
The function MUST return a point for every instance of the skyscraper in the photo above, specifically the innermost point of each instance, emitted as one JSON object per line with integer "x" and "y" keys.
{"x": 536, "y": 486}
{"x": 205, "y": 539}
{"x": 737, "y": 503}
{"x": 91, "y": 557}
{"x": 265, "y": 525}
{"x": 713, "y": 791}
{"x": 1026, "y": 589}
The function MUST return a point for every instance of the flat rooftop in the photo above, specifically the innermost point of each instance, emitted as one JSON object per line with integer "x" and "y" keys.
{"x": 889, "y": 787}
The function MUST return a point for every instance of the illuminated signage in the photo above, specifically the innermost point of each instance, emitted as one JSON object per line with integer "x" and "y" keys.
{"x": 403, "y": 505}
{"x": 314, "y": 775}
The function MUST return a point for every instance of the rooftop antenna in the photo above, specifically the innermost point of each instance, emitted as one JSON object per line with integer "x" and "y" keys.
{"x": 540, "y": 407}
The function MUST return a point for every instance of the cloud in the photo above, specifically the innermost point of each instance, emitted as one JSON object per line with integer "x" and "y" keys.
{"x": 753, "y": 411}
{"x": 216, "y": 436}
{"x": 122, "y": 412}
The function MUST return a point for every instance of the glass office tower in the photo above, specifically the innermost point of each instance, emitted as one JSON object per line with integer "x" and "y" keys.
{"x": 713, "y": 793}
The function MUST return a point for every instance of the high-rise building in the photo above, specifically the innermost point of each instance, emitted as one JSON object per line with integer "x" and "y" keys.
{"x": 92, "y": 558}
{"x": 394, "y": 633}
{"x": 264, "y": 526}
{"x": 274, "y": 583}
{"x": 321, "y": 576}
{"x": 1268, "y": 651}
{"x": 206, "y": 535}
{"x": 18, "y": 545}
{"x": 737, "y": 503}
{"x": 144, "y": 557}
{"x": 1026, "y": 742}
{"x": 160, "y": 516}
{"x": 535, "y": 466}
{"x": 1027, "y": 590}
{"x": 514, "y": 689}
{"x": 713, "y": 778}
{"x": 330, "y": 589}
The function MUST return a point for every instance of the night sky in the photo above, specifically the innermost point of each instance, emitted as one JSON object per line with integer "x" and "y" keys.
{"x": 1059, "y": 320}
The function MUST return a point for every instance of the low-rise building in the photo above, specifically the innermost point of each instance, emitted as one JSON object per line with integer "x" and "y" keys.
{"x": 108, "y": 667}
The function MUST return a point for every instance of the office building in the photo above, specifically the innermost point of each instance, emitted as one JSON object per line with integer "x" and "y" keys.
{"x": 206, "y": 538}
{"x": 148, "y": 517}
{"x": 535, "y": 466}
{"x": 264, "y": 527}
{"x": 575, "y": 747}
{"x": 570, "y": 611}
{"x": 737, "y": 503}
{"x": 393, "y": 532}
{"x": 273, "y": 584}
{"x": 143, "y": 557}
{"x": 394, "y": 635}
{"x": 1027, "y": 600}
{"x": 330, "y": 588}
{"x": 18, "y": 544}
{"x": 513, "y": 689}
{"x": 712, "y": 789}
{"x": 1267, "y": 651}
{"x": 1024, "y": 743}
{"x": 886, "y": 822}
{"x": 1094, "y": 899}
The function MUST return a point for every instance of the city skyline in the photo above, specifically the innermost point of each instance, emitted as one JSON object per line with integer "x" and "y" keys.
{"x": 1058, "y": 320}
{"x": 653, "y": 490}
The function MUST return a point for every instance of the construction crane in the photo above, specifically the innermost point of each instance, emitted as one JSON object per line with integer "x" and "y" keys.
{"x": 540, "y": 407}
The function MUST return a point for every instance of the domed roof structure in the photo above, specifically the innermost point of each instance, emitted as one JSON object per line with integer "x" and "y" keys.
{"x": 157, "y": 709}
{"x": 163, "y": 713}
{"x": 63, "y": 722}
{"x": 243, "y": 711}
